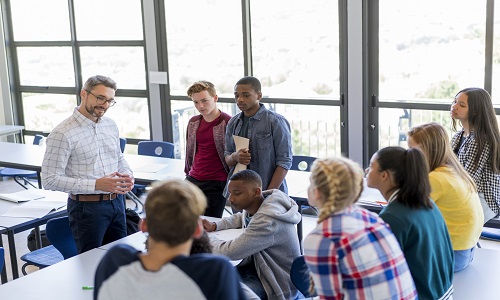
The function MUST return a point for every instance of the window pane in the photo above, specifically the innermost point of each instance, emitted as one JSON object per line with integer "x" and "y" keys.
{"x": 315, "y": 129}
{"x": 204, "y": 43}
{"x": 46, "y": 66}
{"x": 108, "y": 20}
{"x": 35, "y": 20}
{"x": 430, "y": 49}
{"x": 132, "y": 117}
{"x": 296, "y": 48}
{"x": 125, "y": 65}
{"x": 495, "y": 93}
{"x": 395, "y": 123}
{"x": 42, "y": 112}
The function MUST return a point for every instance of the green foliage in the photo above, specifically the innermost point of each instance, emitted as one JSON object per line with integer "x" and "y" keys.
{"x": 445, "y": 89}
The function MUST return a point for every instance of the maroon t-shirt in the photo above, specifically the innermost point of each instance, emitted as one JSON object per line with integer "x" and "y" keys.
{"x": 207, "y": 164}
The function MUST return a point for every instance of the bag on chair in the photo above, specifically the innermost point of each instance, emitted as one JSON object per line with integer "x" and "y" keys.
{"x": 133, "y": 220}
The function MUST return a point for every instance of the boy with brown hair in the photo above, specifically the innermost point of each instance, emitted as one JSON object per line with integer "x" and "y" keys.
{"x": 167, "y": 270}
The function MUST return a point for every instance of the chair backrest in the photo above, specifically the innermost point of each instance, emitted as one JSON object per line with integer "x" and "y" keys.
{"x": 2, "y": 260}
{"x": 299, "y": 274}
{"x": 156, "y": 148}
{"x": 302, "y": 163}
{"x": 59, "y": 234}
{"x": 123, "y": 142}
{"x": 38, "y": 139}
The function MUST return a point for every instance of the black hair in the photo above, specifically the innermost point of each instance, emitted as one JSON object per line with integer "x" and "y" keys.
{"x": 247, "y": 176}
{"x": 252, "y": 81}
{"x": 410, "y": 172}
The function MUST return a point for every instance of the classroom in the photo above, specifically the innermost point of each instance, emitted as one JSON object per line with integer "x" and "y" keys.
{"x": 348, "y": 77}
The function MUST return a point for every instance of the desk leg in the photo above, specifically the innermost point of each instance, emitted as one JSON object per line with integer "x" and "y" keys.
{"x": 13, "y": 255}
{"x": 4, "y": 269}
{"x": 39, "y": 177}
{"x": 299, "y": 230}
{"x": 38, "y": 237}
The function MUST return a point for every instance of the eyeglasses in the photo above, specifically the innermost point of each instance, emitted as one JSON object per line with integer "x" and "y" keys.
{"x": 102, "y": 100}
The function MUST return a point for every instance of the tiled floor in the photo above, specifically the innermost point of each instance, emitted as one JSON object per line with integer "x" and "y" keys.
{"x": 7, "y": 186}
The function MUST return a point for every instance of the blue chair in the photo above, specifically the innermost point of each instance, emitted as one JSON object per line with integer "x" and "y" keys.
{"x": 2, "y": 259}
{"x": 123, "y": 142}
{"x": 153, "y": 148}
{"x": 60, "y": 236}
{"x": 492, "y": 234}
{"x": 302, "y": 163}
{"x": 299, "y": 275}
{"x": 23, "y": 175}
{"x": 156, "y": 148}
{"x": 63, "y": 246}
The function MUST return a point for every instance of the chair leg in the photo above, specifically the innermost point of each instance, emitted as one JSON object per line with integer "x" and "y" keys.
{"x": 136, "y": 201}
{"x": 19, "y": 182}
{"x": 26, "y": 181}
{"x": 23, "y": 269}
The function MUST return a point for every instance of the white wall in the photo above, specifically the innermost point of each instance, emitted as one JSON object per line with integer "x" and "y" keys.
{"x": 5, "y": 105}
{"x": 355, "y": 79}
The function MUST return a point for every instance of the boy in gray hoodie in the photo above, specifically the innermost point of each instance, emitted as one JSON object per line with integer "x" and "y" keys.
{"x": 269, "y": 243}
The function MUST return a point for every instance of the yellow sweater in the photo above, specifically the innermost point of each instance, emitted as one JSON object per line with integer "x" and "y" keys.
{"x": 459, "y": 205}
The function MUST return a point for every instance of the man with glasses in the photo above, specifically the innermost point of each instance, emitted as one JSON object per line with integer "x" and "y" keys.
{"x": 83, "y": 158}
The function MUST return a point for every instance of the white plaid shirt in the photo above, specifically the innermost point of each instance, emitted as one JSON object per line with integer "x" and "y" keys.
{"x": 80, "y": 151}
{"x": 487, "y": 182}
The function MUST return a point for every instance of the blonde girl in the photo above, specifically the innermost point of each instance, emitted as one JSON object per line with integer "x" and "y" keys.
{"x": 452, "y": 189}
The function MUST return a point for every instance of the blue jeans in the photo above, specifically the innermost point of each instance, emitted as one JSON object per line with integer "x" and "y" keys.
{"x": 250, "y": 278}
{"x": 463, "y": 258}
{"x": 97, "y": 223}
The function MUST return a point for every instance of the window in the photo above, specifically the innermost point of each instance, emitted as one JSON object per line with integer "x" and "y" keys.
{"x": 292, "y": 48}
{"x": 52, "y": 64}
{"x": 427, "y": 52}
{"x": 295, "y": 48}
{"x": 204, "y": 43}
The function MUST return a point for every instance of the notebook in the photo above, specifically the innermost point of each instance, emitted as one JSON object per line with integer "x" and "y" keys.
{"x": 22, "y": 196}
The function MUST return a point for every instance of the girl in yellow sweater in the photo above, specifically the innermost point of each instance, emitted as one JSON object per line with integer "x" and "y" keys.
{"x": 453, "y": 190}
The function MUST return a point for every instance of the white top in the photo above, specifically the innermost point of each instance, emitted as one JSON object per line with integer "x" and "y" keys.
{"x": 80, "y": 151}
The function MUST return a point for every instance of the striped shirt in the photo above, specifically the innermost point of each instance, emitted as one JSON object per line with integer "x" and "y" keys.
{"x": 354, "y": 255}
{"x": 80, "y": 151}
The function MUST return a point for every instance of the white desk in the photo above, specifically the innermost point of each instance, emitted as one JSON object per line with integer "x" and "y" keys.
{"x": 11, "y": 226}
{"x": 480, "y": 279}
{"x": 63, "y": 280}
{"x": 12, "y": 130}
{"x": 136, "y": 240}
{"x": 173, "y": 168}
{"x": 22, "y": 156}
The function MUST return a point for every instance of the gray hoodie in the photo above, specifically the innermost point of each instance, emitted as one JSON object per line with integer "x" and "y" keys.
{"x": 271, "y": 237}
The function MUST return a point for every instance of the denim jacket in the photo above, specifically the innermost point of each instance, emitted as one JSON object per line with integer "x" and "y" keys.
{"x": 270, "y": 144}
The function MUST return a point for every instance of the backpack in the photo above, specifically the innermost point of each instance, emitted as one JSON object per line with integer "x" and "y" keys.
{"x": 133, "y": 220}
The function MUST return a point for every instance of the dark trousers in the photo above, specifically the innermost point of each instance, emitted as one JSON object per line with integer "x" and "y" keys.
{"x": 213, "y": 191}
{"x": 97, "y": 223}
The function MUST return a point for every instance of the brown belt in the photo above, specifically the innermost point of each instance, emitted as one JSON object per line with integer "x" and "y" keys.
{"x": 92, "y": 197}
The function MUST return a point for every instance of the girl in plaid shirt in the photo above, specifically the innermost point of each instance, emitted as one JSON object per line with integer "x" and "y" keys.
{"x": 352, "y": 254}
{"x": 477, "y": 145}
